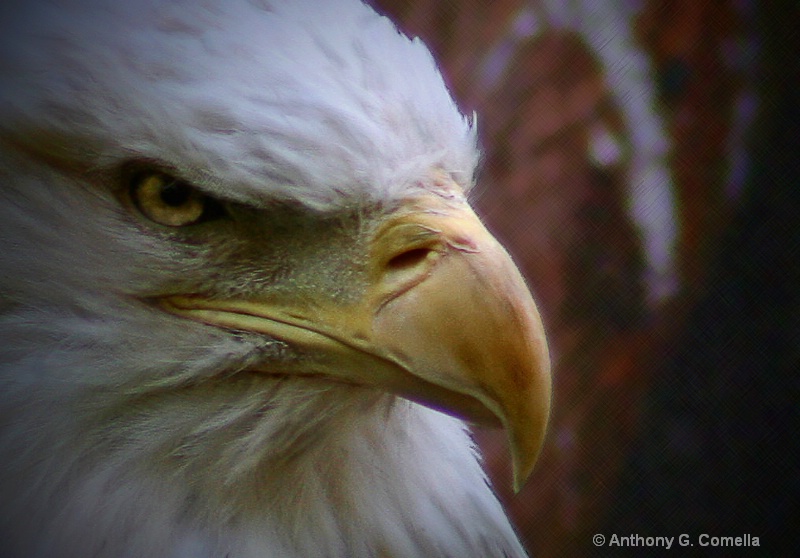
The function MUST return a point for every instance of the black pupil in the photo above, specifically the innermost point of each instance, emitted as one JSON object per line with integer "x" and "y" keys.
{"x": 175, "y": 194}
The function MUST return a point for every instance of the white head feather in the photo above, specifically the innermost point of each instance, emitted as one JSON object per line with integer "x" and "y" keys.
{"x": 246, "y": 88}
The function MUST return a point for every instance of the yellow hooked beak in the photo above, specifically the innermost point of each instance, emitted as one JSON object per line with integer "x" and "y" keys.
{"x": 445, "y": 320}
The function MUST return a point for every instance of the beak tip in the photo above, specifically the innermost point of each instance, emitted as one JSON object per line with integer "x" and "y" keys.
{"x": 519, "y": 483}
{"x": 526, "y": 439}
{"x": 522, "y": 467}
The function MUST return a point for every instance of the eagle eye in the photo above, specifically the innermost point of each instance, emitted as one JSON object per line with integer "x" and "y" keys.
{"x": 169, "y": 201}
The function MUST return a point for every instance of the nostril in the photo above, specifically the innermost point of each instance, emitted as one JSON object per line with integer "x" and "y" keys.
{"x": 407, "y": 269}
{"x": 409, "y": 259}
{"x": 407, "y": 265}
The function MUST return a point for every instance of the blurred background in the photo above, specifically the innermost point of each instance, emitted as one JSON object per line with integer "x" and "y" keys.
{"x": 641, "y": 165}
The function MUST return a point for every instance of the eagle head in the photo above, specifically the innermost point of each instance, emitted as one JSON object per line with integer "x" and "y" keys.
{"x": 245, "y": 306}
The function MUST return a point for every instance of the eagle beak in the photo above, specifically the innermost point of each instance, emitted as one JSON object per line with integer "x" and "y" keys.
{"x": 445, "y": 319}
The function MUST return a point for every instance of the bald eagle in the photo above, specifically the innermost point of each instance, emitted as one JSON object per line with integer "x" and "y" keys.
{"x": 245, "y": 307}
